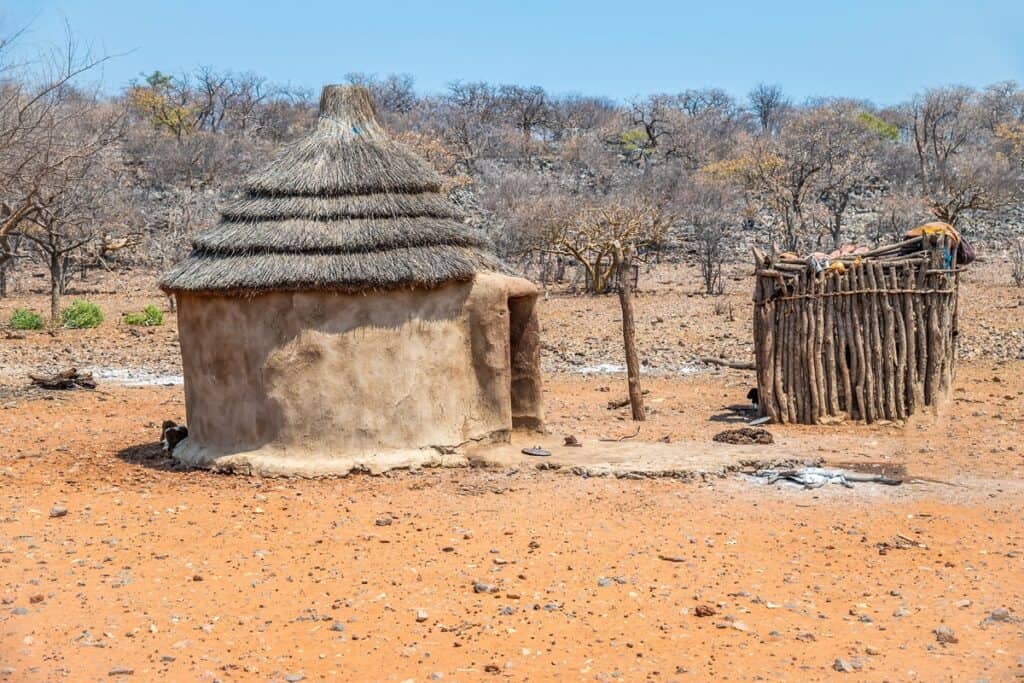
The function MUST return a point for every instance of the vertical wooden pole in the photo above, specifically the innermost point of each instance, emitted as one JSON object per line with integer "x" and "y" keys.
{"x": 623, "y": 262}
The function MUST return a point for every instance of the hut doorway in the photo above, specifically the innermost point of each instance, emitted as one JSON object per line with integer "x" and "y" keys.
{"x": 524, "y": 362}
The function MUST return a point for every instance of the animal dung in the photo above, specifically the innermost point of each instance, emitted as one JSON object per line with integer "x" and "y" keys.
{"x": 745, "y": 436}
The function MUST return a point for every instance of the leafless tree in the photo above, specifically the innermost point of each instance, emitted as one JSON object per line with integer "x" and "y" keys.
{"x": 73, "y": 201}
{"x": 47, "y": 135}
{"x": 469, "y": 114}
{"x": 956, "y": 170}
{"x": 395, "y": 93}
{"x": 714, "y": 214}
{"x": 525, "y": 108}
{"x": 768, "y": 103}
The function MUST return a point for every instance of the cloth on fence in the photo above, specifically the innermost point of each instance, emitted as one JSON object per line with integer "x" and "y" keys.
{"x": 935, "y": 228}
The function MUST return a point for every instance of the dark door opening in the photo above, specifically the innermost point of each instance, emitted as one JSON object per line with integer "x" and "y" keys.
{"x": 524, "y": 358}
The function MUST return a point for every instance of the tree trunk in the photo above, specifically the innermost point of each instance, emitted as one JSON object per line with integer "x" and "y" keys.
{"x": 56, "y": 285}
{"x": 623, "y": 261}
{"x": 837, "y": 231}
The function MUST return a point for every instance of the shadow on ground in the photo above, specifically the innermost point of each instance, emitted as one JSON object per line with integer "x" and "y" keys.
{"x": 151, "y": 456}
{"x": 735, "y": 414}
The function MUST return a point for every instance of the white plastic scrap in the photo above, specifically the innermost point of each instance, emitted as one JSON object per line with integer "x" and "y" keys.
{"x": 816, "y": 477}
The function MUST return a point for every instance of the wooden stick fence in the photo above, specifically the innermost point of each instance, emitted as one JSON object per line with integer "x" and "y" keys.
{"x": 872, "y": 339}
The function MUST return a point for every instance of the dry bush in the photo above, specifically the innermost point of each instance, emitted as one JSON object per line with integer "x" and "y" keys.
{"x": 1017, "y": 259}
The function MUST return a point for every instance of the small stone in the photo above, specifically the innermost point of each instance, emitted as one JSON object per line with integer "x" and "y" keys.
{"x": 705, "y": 611}
{"x": 383, "y": 521}
{"x": 534, "y": 545}
{"x": 507, "y": 611}
{"x": 603, "y": 582}
{"x": 121, "y": 671}
{"x": 421, "y": 615}
{"x": 481, "y": 587}
{"x": 36, "y": 599}
{"x": 740, "y": 626}
{"x": 337, "y": 627}
{"x": 295, "y": 678}
{"x": 1000, "y": 614}
{"x": 961, "y": 604}
{"x": 20, "y": 611}
{"x": 901, "y": 612}
{"x": 945, "y": 635}
{"x": 872, "y": 650}
{"x": 846, "y": 666}
{"x": 167, "y": 658}
{"x": 58, "y": 511}
{"x": 197, "y": 577}
{"x": 806, "y": 637}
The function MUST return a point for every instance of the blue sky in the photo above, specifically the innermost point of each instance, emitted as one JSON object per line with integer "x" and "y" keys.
{"x": 884, "y": 51}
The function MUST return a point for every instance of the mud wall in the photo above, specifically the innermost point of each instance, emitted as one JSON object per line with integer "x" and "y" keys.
{"x": 323, "y": 375}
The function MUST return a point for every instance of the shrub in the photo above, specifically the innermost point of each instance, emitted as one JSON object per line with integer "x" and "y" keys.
{"x": 151, "y": 316}
{"x": 24, "y": 319}
{"x": 81, "y": 314}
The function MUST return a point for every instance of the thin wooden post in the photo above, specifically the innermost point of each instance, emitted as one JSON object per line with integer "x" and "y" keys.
{"x": 623, "y": 261}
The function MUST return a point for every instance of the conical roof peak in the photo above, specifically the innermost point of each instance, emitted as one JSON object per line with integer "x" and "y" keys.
{"x": 348, "y": 110}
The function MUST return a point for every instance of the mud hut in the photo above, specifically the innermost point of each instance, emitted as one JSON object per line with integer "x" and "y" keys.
{"x": 860, "y": 334}
{"x": 342, "y": 316}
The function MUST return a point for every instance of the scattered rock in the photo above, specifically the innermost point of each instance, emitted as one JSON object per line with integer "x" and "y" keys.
{"x": 121, "y": 671}
{"x": 901, "y": 612}
{"x": 705, "y": 611}
{"x": 1000, "y": 615}
{"x": 295, "y": 678}
{"x": 383, "y": 521}
{"x": 481, "y": 587}
{"x": 337, "y": 627}
{"x": 671, "y": 558}
{"x": 421, "y": 615}
{"x": 847, "y": 666}
{"x": 36, "y": 599}
{"x": 945, "y": 635}
{"x": 603, "y": 582}
{"x": 58, "y": 511}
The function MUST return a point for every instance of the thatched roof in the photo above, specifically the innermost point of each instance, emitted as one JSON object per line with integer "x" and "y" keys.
{"x": 344, "y": 209}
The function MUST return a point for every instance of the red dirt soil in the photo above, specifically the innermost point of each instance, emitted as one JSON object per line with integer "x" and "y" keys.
{"x": 188, "y": 575}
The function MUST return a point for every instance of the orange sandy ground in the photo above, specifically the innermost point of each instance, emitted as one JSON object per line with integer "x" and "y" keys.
{"x": 185, "y": 576}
